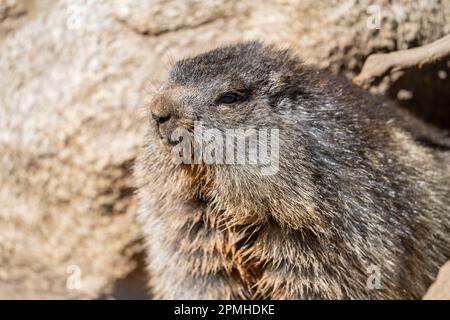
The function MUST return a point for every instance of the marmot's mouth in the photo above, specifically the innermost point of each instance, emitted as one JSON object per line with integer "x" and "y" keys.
{"x": 170, "y": 138}
{"x": 167, "y": 139}
{"x": 174, "y": 142}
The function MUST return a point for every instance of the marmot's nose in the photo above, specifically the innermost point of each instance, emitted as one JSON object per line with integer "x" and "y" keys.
{"x": 162, "y": 108}
{"x": 160, "y": 118}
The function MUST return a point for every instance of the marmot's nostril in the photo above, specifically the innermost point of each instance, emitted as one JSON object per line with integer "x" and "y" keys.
{"x": 160, "y": 118}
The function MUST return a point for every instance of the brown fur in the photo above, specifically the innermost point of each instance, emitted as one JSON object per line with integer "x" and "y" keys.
{"x": 360, "y": 184}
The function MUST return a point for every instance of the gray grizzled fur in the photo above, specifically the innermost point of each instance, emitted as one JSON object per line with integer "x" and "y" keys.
{"x": 361, "y": 185}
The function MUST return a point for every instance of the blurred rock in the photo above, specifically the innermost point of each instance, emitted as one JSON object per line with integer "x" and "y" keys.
{"x": 159, "y": 16}
{"x": 14, "y": 13}
{"x": 440, "y": 290}
{"x": 69, "y": 123}
{"x": 75, "y": 81}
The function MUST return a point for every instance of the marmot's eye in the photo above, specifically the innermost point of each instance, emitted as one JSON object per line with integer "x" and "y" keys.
{"x": 228, "y": 98}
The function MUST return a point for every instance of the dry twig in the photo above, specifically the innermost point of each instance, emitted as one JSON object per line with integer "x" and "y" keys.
{"x": 381, "y": 64}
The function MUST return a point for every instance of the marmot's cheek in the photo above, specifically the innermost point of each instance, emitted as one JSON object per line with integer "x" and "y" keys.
{"x": 154, "y": 129}
{"x": 164, "y": 132}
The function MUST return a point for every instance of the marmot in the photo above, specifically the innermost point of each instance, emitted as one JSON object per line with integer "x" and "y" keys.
{"x": 358, "y": 209}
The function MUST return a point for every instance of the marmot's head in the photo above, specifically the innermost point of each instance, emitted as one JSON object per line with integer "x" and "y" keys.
{"x": 251, "y": 87}
{"x": 238, "y": 86}
{"x": 246, "y": 87}
{"x": 325, "y": 136}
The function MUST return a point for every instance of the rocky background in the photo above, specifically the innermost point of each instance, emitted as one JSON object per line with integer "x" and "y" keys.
{"x": 75, "y": 78}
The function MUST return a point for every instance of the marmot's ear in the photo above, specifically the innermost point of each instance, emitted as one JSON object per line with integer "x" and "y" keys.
{"x": 276, "y": 78}
{"x": 281, "y": 82}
